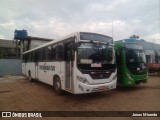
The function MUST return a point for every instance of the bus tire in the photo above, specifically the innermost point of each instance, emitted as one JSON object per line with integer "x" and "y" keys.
{"x": 29, "y": 76}
{"x": 57, "y": 86}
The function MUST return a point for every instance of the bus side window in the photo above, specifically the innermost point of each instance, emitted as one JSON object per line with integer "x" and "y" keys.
{"x": 33, "y": 57}
{"x": 159, "y": 59}
{"x": 44, "y": 55}
{"x": 23, "y": 58}
{"x": 29, "y": 57}
{"x": 53, "y": 52}
{"x": 39, "y": 54}
{"x": 48, "y": 53}
{"x": 36, "y": 56}
{"x": 26, "y": 57}
{"x": 148, "y": 59}
{"x": 60, "y": 52}
{"x": 157, "y": 56}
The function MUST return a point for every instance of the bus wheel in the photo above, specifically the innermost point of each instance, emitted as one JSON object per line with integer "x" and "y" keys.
{"x": 29, "y": 76}
{"x": 57, "y": 86}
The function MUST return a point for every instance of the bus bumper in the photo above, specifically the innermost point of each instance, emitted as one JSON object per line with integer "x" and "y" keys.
{"x": 85, "y": 88}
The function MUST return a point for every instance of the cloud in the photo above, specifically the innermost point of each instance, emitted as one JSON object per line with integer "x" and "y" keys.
{"x": 57, "y": 18}
{"x": 7, "y": 24}
{"x": 155, "y": 38}
{"x": 106, "y": 6}
{"x": 2, "y": 37}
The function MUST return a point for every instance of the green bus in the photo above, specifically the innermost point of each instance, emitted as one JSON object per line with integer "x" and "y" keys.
{"x": 131, "y": 63}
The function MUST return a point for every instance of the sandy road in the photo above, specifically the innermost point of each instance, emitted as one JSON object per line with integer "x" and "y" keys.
{"x": 18, "y": 94}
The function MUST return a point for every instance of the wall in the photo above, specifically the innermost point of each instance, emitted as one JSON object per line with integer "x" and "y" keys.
{"x": 10, "y": 67}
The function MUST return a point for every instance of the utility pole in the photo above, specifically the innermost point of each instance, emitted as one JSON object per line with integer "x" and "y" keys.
{"x": 112, "y": 29}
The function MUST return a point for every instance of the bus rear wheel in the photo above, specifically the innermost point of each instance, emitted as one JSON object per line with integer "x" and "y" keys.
{"x": 57, "y": 86}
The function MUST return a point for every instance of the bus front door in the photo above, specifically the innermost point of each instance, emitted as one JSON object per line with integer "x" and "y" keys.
{"x": 69, "y": 54}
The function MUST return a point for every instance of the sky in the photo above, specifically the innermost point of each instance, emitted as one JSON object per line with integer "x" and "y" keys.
{"x": 57, "y": 18}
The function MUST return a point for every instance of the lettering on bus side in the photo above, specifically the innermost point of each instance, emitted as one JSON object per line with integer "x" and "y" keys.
{"x": 46, "y": 67}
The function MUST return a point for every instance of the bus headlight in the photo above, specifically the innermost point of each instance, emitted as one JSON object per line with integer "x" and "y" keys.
{"x": 82, "y": 79}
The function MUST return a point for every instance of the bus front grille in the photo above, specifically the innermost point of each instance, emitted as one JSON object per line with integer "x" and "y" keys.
{"x": 100, "y": 75}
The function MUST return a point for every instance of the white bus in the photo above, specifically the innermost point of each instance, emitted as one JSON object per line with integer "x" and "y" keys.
{"x": 79, "y": 63}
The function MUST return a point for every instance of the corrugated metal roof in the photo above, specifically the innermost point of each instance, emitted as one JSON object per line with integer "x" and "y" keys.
{"x": 146, "y": 45}
{"x": 38, "y": 38}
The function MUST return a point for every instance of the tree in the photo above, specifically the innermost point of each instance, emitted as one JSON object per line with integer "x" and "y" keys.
{"x": 134, "y": 36}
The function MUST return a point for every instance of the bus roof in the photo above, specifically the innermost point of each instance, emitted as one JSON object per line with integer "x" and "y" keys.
{"x": 146, "y": 45}
{"x": 58, "y": 40}
{"x": 51, "y": 42}
{"x": 121, "y": 43}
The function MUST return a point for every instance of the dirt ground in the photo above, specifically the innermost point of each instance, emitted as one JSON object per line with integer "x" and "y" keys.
{"x": 18, "y": 94}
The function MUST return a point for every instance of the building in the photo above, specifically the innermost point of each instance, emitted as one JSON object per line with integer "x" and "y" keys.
{"x": 8, "y": 49}
{"x": 32, "y": 42}
{"x": 14, "y": 49}
{"x": 26, "y": 42}
{"x": 11, "y": 53}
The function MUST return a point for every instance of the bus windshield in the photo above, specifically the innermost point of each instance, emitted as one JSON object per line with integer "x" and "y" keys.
{"x": 135, "y": 58}
{"x": 95, "y": 53}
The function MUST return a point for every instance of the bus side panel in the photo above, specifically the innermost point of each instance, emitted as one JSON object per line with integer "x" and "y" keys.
{"x": 30, "y": 67}
{"x": 47, "y": 71}
{"x": 62, "y": 75}
{"x": 24, "y": 68}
